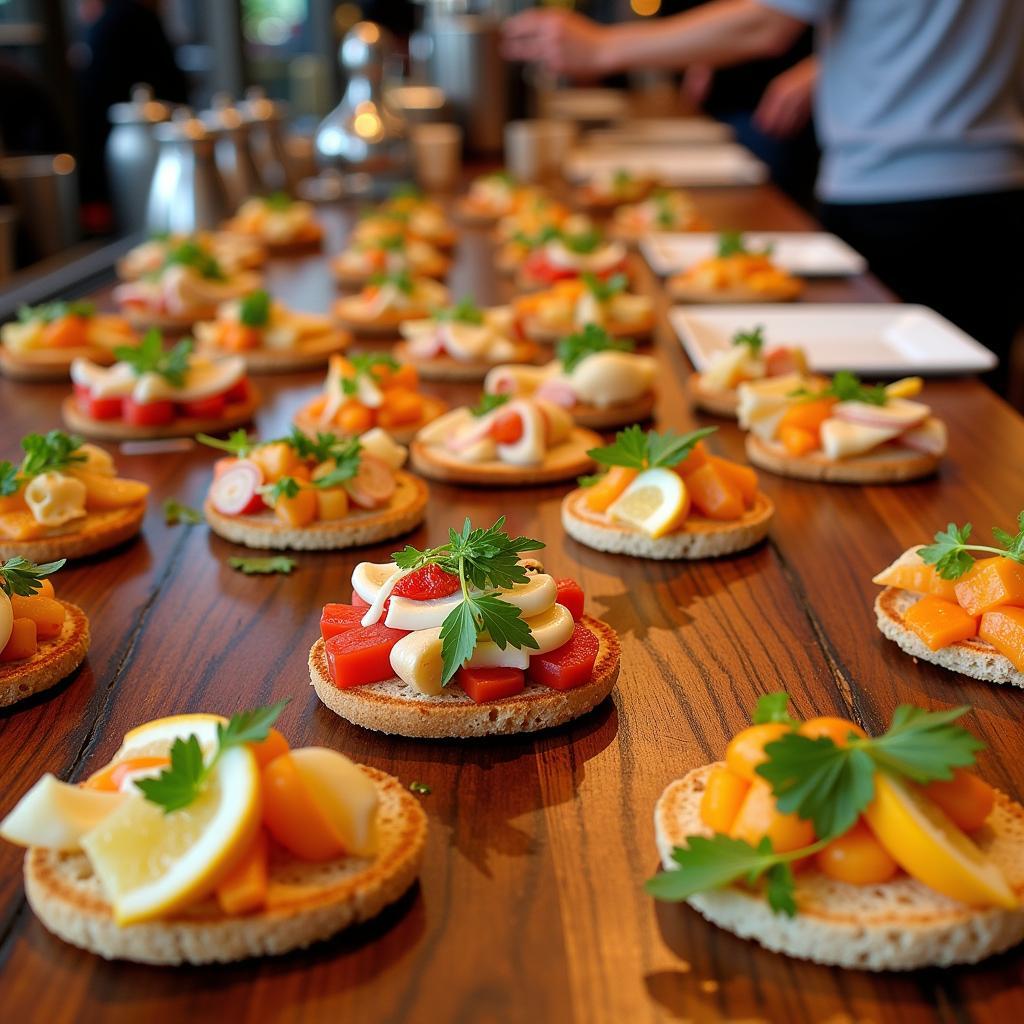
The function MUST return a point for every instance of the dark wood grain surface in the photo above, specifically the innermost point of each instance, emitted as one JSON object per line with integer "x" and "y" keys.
{"x": 530, "y": 906}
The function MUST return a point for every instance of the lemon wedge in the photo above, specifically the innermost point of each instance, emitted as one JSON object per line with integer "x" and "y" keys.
{"x": 656, "y": 502}
{"x": 920, "y": 837}
{"x": 905, "y": 387}
{"x": 151, "y": 864}
{"x": 155, "y": 738}
{"x": 56, "y": 815}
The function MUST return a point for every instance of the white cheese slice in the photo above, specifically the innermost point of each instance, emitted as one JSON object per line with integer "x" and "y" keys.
{"x": 551, "y": 629}
{"x": 56, "y": 815}
{"x": 405, "y": 613}
{"x": 489, "y": 655}
{"x": 416, "y": 660}
{"x": 610, "y": 378}
{"x": 380, "y": 444}
{"x": 841, "y": 439}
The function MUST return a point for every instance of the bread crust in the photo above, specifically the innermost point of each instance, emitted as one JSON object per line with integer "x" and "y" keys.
{"x": 54, "y": 660}
{"x": 98, "y": 531}
{"x": 712, "y": 400}
{"x": 900, "y": 925}
{"x": 886, "y": 466}
{"x": 702, "y": 538}
{"x": 49, "y": 365}
{"x": 448, "y": 368}
{"x": 399, "y": 710}
{"x": 433, "y": 407}
{"x": 974, "y": 657}
{"x": 472, "y": 216}
{"x": 680, "y": 291}
{"x": 306, "y": 356}
{"x": 565, "y": 462}
{"x": 307, "y": 902}
{"x": 637, "y": 331}
{"x": 235, "y": 415}
{"x": 608, "y": 417}
{"x": 386, "y": 326}
{"x": 436, "y": 269}
{"x": 406, "y": 511}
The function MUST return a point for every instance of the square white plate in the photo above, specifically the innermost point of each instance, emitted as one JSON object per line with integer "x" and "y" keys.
{"x": 724, "y": 164}
{"x": 887, "y": 339}
{"x": 805, "y": 253}
{"x": 663, "y": 131}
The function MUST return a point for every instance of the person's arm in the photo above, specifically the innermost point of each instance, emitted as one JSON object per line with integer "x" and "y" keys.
{"x": 720, "y": 33}
{"x": 785, "y": 106}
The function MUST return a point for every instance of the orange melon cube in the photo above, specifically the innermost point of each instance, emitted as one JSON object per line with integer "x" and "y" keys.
{"x": 798, "y": 440}
{"x": 45, "y": 612}
{"x": 807, "y": 415}
{"x": 698, "y": 457}
{"x": 609, "y": 487}
{"x": 332, "y": 503}
{"x": 354, "y": 418}
{"x": 741, "y": 477}
{"x": 917, "y": 577}
{"x": 991, "y": 583}
{"x": 758, "y": 816}
{"x": 23, "y": 642}
{"x": 276, "y": 460}
{"x": 713, "y": 495}
{"x": 400, "y": 407}
{"x": 1003, "y": 628}
{"x": 298, "y": 511}
{"x": 940, "y": 623}
{"x": 20, "y": 526}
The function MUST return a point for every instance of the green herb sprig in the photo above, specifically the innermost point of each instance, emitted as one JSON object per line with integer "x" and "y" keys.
{"x": 465, "y": 311}
{"x": 47, "y": 312}
{"x": 263, "y": 566}
{"x": 149, "y": 357}
{"x": 951, "y": 552}
{"x": 847, "y": 387}
{"x": 637, "y": 449}
{"x": 753, "y": 339}
{"x": 176, "y": 513}
{"x": 238, "y": 444}
{"x": 605, "y": 290}
{"x": 191, "y": 254}
{"x": 50, "y": 452}
{"x": 571, "y": 351}
{"x": 278, "y": 201}
{"x": 732, "y": 243}
{"x": 400, "y": 279}
{"x": 488, "y": 403}
{"x": 367, "y": 364}
{"x": 21, "y": 577}
{"x": 254, "y": 309}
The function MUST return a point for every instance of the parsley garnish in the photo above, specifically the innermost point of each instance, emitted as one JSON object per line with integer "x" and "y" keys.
{"x": 588, "y": 480}
{"x": 571, "y": 351}
{"x": 366, "y": 365}
{"x": 547, "y": 233}
{"x": 254, "y": 309}
{"x": 621, "y": 180}
{"x": 149, "y": 357}
{"x": 191, "y": 254}
{"x": 9, "y": 481}
{"x": 604, "y": 290}
{"x": 285, "y": 486}
{"x": 771, "y": 707}
{"x": 951, "y": 554}
{"x": 584, "y": 242}
{"x": 639, "y": 450}
{"x": 175, "y": 512}
{"x": 485, "y": 562}
{"x": 732, "y": 243}
{"x": 21, "y": 577}
{"x": 420, "y": 787}
{"x": 847, "y": 387}
{"x": 278, "y": 201}
{"x": 50, "y": 311}
{"x": 407, "y": 190}
{"x": 666, "y": 215}
{"x": 238, "y": 443}
{"x": 488, "y": 403}
{"x": 753, "y": 339}
{"x": 465, "y": 311}
{"x": 347, "y": 456}
{"x": 263, "y": 566}
{"x": 46, "y": 453}
{"x": 400, "y": 279}
{"x": 183, "y": 780}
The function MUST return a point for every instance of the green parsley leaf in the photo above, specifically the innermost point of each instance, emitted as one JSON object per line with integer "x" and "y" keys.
{"x": 278, "y": 201}
{"x": 753, "y": 339}
{"x": 583, "y": 242}
{"x": 263, "y": 566}
{"x": 771, "y": 707}
{"x": 780, "y": 889}
{"x": 47, "y": 312}
{"x": 547, "y": 233}
{"x": 732, "y": 243}
{"x": 621, "y": 180}
{"x": 149, "y": 357}
{"x": 286, "y": 486}
{"x": 238, "y": 444}
{"x": 588, "y": 480}
{"x": 175, "y": 512}
{"x": 367, "y": 364}
{"x": 400, "y": 279}
{"x": 420, "y": 787}
{"x": 191, "y": 254}
{"x": 21, "y": 577}
{"x": 465, "y": 311}
{"x": 488, "y": 403}
{"x": 51, "y": 452}
{"x": 951, "y": 554}
{"x": 254, "y": 309}
{"x": 604, "y": 290}
{"x": 571, "y": 351}
{"x": 407, "y": 190}
{"x": 347, "y": 456}
{"x": 249, "y": 726}
{"x": 637, "y": 450}
{"x": 9, "y": 482}
{"x": 925, "y": 745}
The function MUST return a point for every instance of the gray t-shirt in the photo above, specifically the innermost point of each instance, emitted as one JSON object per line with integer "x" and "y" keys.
{"x": 917, "y": 98}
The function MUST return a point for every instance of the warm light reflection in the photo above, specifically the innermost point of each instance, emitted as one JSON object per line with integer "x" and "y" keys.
{"x": 645, "y": 8}
{"x": 367, "y": 124}
{"x": 63, "y": 163}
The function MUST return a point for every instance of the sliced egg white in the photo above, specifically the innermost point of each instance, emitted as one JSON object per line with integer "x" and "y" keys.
{"x": 416, "y": 660}
{"x": 551, "y": 629}
{"x": 489, "y": 655}
{"x": 55, "y": 815}
{"x": 369, "y": 577}
{"x": 533, "y": 597}
{"x": 405, "y": 613}
{"x": 841, "y": 440}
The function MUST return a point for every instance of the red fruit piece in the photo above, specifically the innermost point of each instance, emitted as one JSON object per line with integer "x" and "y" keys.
{"x": 358, "y": 657}
{"x": 148, "y": 414}
{"x": 238, "y": 393}
{"x": 569, "y": 666}
{"x": 507, "y": 428}
{"x": 211, "y": 408}
{"x": 427, "y": 583}
{"x": 570, "y": 596}
{"x": 340, "y": 618}
{"x": 486, "y": 684}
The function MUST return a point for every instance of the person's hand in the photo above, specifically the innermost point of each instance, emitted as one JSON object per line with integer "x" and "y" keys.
{"x": 696, "y": 83}
{"x": 563, "y": 41}
{"x": 785, "y": 106}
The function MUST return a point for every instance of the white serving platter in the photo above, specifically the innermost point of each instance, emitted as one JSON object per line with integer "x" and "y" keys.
{"x": 722, "y": 164}
{"x": 885, "y": 339}
{"x": 663, "y": 131}
{"x": 804, "y": 253}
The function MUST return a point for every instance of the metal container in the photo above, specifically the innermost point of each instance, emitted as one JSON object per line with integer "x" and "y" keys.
{"x": 363, "y": 139}
{"x": 266, "y": 119}
{"x": 45, "y": 191}
{"x": 131, "y": 155}
{"x": 231, "y": 152}
{"x": 186, "y": 193}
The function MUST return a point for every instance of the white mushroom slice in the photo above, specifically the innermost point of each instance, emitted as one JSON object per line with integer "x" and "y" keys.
{"x": 537, "y": 595}
{"x": 551, "y": 629}
{"x": 416, "y": 660}
{"x": 55, "y": 499}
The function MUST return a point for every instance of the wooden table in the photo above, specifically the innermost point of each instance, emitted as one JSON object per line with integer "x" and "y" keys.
{"x": 530, "y": 905}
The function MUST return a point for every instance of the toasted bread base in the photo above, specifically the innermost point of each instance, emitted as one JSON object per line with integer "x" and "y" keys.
{"x": 975, "y": 657}
{"x": 235, "y": 415}
{"x": 473, "y": 216}
{"x": 168, "y": 323}
{"x": 347, "y": 313}
{"x": 433, "y": 407}
{"x": 899, "y": 925}
{"x": 565, "y": 462}
{"x": 306, "y": 356}
{"x": 397, "y": 709}
{"x": 525, "y": 282}
{"x": 702, "y": 538}
{"x": 307, "y": 902}
{"x": 448, "y": 368}
{"x": 638, "y": 331}
{"x": 436, "y": 269}
{"x": 406, "y": 511}
{"x": 716, "y": 402}
{"x": 608, "y": 417}
{"x": 888, "y": 465}
{"x": 679, "y": 291}
{"x": 49, "y": 365}
{"x": 98, "y": 531}
{"x": 53, "y": 661}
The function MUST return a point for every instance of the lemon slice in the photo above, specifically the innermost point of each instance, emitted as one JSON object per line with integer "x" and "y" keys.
{"x": 655, "y": 502}
{"x": 151, "y": 864}
{"x": 929, "y": 847}
{"x": 905, "y": 387}
{"x": 155, "y": 738}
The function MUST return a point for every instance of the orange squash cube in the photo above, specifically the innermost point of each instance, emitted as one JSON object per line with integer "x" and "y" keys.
{"x": 918, "y": 578}
{"x": 332, "y": 503}
{"x": 808, "y": 415}
{"x": 298, "y": 511}
{"x": 940, "y": 623}
{"x": 400, "y": 407}
{"x": 797, "y": 440}
{"x": 713, "y": 495}
{"x": 723, "y": 795}
{"x": 991, "y": 583}
{"x": 741, "y": 477}
{"x": 13, "y": 502}
{"x": 1003, "y": 628}
{"x": 23, "y": 642}
{"x": 244, "y": 888}
{"x": 354, "y": 418}
{"x": 698, "y": 457}
{"x": 758, "y": 817}
{"x": 609, "y": 487}
{"x": 45, "y": 612}
{"x": 276, "y": 460}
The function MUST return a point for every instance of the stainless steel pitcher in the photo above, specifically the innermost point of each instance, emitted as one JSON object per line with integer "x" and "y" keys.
{"x": 231, "y": 152}
{"x": 266, "y": 120}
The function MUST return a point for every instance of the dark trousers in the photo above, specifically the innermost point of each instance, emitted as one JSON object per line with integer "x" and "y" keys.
{"x": 961, "y": 255}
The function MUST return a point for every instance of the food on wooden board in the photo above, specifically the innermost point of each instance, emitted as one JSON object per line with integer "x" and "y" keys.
{"x": 282, "y": 224}
{"x": 734, "y": 274}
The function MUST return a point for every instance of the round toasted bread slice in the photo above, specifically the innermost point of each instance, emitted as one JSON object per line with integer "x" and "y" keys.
{"x": 634, "y": 330}
{"x": 295, "y": 247}
{"x": 398, "y": 709}
{"x": 563, "y": 462}
{"x": 899, "y": 925}
{"x": 49, "y": 364}
{"x": 526, "y": 282}
{"x": 235, "y": 414}
{"x": 53, "y": 661}
{"x": 97, "y": 531}
{"x": 974, "y": 657}
{"x": 472, "y": 216}
{"x": 349, "y": 313}
{"x": 404, "y": 512}
{"x": 683, "y": 291}
{"x": 716, "y": 401}
{"x": 887, "y": 465}
{"x": 432, "y": 408}
{"x": 306, "y": 902}
{"x": 700, "y": 538}
{"x": 448, "y": 368}
{"x": 436, "y": 269}
{"x": 608, "y": 417}
{"x": 307, "y": 355}
{"x": 142, "y": 319}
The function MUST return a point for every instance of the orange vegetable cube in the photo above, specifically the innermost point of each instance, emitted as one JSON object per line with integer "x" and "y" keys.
{"x": 276, "y": 460}
{"x": 741, "y": 477}
{"x": 1003, "y": 628}
{"x": 23, "y": 642}
{"x": 918, "y": 578}
{"x": 45, "y": 588}
{"x": 966, "y": 798}
{"x": 401, "y": 406}
{"x": 724, "y": 793}
{"x": 698, "y": 457}
{"x": 857, "y": 857}
{"x": 713, "y": 495}
{"x": 65, "y": 332}
{"x": 940, "y": 623}
{"x": 797, "y": 441}
{"x": 20, "y": 526}
{"x": 298, "y": 511}
{"x": 758, "y": 817}
{"x": 13, "y": 502}
{"x": 45, "y": 612}
{"x": 332, "y": 503}
{"x": 244, "y": 888}
{"x": 808, "y": 415}
{"x": 609, "y": 487}
{"x": 107, "y": 492}
{"x": 354, "y": 418}
{"x": 404, "y": 377}
{"x": 238, "y": 337}
{"x": 991, "y": 583}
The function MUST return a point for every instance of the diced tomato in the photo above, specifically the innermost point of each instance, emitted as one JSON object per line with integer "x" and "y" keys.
{"x": 238, "y": 393}
{"x": 205, "y": 408}
{"x": 570, "y": 595}
{"x": 358, "y": 657}
{"x": 148, "y": 414}
{"x": 486, "y": 684}
{"x": 507, "y": 428}
{"x": 536, "y": 265}
{"x": 427, "y": 583}
{"x": 568, "y": 666}
{"x": 97, "y": 408}
{"x": 340, "y": 618}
